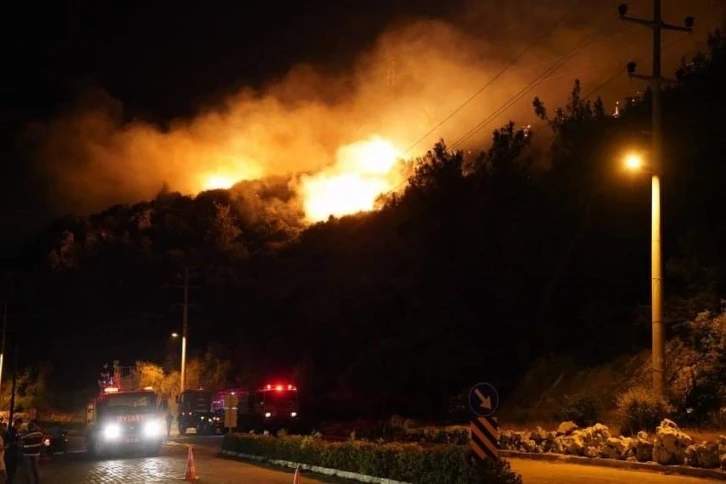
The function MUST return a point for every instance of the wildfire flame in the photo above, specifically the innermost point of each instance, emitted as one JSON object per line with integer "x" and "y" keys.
{"x": 363, "y": 171}
{"x": 216, "y": 182}
{"x": 227, "y": 175}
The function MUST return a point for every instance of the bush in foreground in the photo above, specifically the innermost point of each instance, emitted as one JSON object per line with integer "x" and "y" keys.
{"x": 440, "y": 464}
{"x": 640, "y": 409}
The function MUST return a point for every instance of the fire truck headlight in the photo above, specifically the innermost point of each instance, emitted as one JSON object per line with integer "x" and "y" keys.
{"x": 293, "y": 414}
{"x": 152, "y": 429}
{"x": 268, "y": 415}
{"x": 112, "y": 431}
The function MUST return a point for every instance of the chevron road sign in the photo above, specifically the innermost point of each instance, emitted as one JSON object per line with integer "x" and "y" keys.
{"x": 484, "y": 402}
{"x": 485, "y": 437}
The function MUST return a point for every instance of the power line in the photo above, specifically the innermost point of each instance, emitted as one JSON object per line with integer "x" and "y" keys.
{"x": 494, "y": 79}
{"x": 621, "y": 71}
{"x": 484, "y": 87}
{"x": 509, "y": 103}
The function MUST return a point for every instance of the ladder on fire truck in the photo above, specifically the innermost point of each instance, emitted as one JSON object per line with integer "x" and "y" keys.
{"x": 125, "y": 378}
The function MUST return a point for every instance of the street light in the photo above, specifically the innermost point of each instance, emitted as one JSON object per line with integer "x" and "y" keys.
{"x": 183, "y": 360}
{"x": 635, "y": 162}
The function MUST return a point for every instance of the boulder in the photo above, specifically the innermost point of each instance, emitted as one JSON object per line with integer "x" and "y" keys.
{"x": 670, "y": 444}
{"x": 704, "y": 455}
{"x": 539, "y": 435}
{"x": 570, "y": 440}
{"x": 547, "y": 444}
{"x": 519, "y": 441}
{"x": 528, "y": 445}
{"x": 592, "y": 451}
{"x": 594, "y": 436}
{"x": 642, "y": 447}
{"x": 566, "y": 428}
{"x": 569, "y": 444}
{"x": 723, "y": 461}
{"x": 618, "y": 448}
{"x": 722, "y": 444}
{"x": 506, "y": 438}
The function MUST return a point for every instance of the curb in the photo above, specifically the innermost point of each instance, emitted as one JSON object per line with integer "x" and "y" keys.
{"x": 618, "y": 464}
{"x": 316, "y": 469}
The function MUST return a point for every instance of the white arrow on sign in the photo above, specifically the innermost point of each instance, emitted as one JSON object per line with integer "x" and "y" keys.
{"x": 486, "y": 402}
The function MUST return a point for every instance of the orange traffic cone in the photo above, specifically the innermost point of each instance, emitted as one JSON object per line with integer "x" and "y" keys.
{"x": 191, "y": 472}
{"x": 296, "y": 479}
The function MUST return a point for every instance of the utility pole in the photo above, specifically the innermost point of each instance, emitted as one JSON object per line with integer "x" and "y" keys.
{"x": 14, "y": 385}
{"x": 656, "y": 157}
{"x": 2, "y": 345}
{"x": 185, "y": 328}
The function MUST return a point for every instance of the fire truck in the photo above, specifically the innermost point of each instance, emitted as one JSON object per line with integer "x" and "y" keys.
{"x": 272, "y": 407}
{"x": 195, "y": 412}
{"x": 124, "y": 417}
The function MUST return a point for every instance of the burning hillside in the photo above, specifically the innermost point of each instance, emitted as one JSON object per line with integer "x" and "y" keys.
{"x": 339, "y": 137}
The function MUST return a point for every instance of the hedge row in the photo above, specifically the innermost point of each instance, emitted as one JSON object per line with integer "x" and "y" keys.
{"x": 444, "y": 464}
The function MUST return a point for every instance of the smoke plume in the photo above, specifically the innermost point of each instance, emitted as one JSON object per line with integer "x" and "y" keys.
{"x": 413, "y": 77}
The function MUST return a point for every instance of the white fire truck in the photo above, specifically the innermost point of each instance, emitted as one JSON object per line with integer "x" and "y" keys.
{"x": 123, "y": 417}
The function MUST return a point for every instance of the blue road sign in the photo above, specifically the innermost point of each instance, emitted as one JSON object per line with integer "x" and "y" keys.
{"x": 483, "y": 400}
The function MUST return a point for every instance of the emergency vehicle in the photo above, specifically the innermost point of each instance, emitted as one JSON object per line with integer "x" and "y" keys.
{"x": 124, "y": 417}
{"x": 273, "y": 406}
{"x": 119, "y": 420}
{"x": 195, "y": 412}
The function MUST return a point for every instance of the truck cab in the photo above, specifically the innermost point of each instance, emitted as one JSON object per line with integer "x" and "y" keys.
{"x": 195, "y": 412}
{"x": 275, "y": 406}
{"x": 118, "y": 420}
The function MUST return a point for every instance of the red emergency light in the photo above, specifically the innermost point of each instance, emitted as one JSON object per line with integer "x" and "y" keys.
{"x": 280, "y": 388}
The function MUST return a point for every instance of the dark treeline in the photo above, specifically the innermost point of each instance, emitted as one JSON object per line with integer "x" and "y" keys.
{"x": 479, "y": 267}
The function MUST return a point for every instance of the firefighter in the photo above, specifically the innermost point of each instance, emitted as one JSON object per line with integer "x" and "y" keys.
{"x": 31, "y": 443}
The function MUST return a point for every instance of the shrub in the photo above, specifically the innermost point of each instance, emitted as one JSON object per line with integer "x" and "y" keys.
{"x": 440, "y": 464}
{"x": 640, "y": 409}
{"x": 582, "y": 409}
{"x": 701, "y": 405}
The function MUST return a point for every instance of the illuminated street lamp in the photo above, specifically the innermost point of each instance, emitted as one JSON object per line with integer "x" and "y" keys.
{"x": 635, "y": 162}
{"x": 183, "y": 359}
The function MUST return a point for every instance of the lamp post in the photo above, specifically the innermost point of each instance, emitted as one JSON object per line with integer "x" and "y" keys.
{"x": 635, "y": 162}
{"x": 183, "y": 359}
{"x": 657, "y": 25}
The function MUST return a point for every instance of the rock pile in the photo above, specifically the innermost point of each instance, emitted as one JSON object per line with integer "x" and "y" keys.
{"x": 668, "y": 446}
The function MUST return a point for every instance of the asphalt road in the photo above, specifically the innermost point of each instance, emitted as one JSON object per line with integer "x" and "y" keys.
{"x": 169, "y": 467}
{"x": 538, "y": 472}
